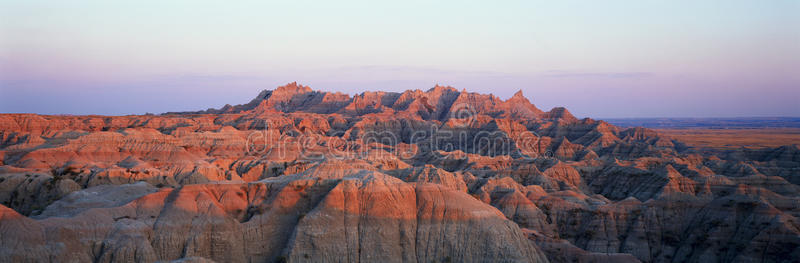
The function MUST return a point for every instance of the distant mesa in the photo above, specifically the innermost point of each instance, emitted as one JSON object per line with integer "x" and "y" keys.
{"x": 437, "y": 103}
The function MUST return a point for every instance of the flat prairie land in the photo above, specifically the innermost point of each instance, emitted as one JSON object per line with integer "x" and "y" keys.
{"x": 735, "y": 138}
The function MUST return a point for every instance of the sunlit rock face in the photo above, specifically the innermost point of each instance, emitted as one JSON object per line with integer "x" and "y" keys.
{"x": 418, "y": 176}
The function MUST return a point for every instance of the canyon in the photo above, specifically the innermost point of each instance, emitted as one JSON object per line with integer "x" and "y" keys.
{"x": 440, "y": 175}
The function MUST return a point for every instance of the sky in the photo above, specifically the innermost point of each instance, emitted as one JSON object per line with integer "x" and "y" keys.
{"x": 600, "y": 59}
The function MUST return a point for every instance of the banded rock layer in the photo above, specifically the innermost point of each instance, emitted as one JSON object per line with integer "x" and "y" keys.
{"x": 419, "y": 176}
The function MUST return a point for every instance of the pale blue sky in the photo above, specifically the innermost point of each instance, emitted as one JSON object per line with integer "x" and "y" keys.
{"x": 598, "y": 58}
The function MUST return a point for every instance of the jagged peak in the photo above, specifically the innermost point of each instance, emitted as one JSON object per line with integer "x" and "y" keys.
{"x": 519, "y": 97}
{"x": 439, "y": 88}
{"x": 264, "y": 94}
{"x": 559, "y": 113}
{"x": 293, "y": 88}
{"x": 518, "y": 94}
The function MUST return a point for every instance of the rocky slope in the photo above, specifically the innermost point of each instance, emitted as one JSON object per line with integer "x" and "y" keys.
{"x": 420, "y": 176}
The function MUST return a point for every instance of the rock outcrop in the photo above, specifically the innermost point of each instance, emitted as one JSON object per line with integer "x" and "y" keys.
{"x": 419, "y": 176}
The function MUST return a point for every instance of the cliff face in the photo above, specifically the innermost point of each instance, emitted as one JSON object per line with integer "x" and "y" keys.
{"x": 437, "y": 175}
{"x": 365, "y": 216}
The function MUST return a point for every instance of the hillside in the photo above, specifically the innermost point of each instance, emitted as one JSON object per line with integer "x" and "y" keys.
{"x": 419, "y": 176}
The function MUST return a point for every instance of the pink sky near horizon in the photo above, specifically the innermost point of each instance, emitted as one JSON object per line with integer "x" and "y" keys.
{"x": 616, "y": 59}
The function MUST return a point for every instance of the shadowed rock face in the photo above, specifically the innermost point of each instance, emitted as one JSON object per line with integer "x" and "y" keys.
{"x": 366, "y": 216}
{"x": 418, "y": 176}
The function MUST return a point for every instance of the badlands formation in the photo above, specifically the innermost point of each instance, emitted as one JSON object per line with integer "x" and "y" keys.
{"x": 421, "y": 176}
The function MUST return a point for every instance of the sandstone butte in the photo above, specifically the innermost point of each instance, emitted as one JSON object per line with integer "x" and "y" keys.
{"x": 304, "y": 175}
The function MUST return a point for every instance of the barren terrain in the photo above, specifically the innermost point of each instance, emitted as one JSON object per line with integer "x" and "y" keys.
{"x": 722, "y": 139}
{"x": 420, "y": 176}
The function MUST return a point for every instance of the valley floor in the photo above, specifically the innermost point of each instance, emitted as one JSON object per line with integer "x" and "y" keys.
{"x": 735, "y": 138}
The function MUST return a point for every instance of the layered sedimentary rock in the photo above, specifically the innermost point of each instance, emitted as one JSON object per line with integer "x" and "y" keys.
{"x": 420, "y": 176}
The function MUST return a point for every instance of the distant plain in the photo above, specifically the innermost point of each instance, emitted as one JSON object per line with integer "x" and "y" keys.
{"x": 735, "y": 138}
{"x": 723, "y": 133}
